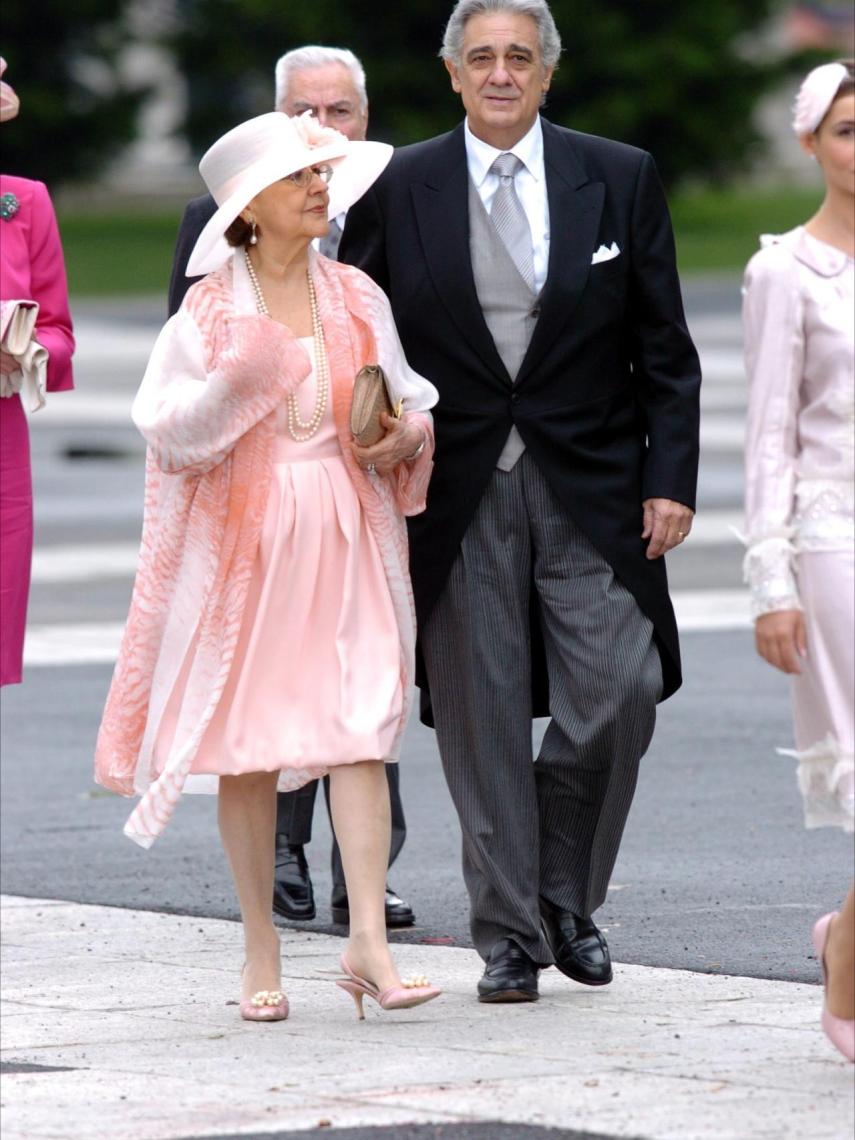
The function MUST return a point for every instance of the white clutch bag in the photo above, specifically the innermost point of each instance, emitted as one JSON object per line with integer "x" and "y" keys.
{"x": 17, "y": 337}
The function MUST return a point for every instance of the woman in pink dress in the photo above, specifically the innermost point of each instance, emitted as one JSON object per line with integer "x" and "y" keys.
{"x": 31, "y": 269}
{"x": 799, "y": 320}
{"x": 271, "y": 633}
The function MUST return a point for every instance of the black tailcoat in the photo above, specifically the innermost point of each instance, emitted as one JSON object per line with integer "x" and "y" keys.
{"x": 197, "y": 214}
{"x": 607, "y": 397}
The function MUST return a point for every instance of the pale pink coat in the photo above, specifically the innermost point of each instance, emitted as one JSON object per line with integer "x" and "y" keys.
{"x": 208, "y": 475}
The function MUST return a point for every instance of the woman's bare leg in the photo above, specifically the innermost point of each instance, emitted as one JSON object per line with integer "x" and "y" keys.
{"x": 840, "y": 961}
{"x": 247, "y": 814}
{"x": 359, "y": 800}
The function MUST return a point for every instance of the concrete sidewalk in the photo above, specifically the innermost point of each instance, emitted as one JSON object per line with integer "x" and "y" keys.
{"x": 122, "y": 1024}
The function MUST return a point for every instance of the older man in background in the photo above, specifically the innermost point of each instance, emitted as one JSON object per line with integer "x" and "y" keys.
{"x": 330, "y": 83}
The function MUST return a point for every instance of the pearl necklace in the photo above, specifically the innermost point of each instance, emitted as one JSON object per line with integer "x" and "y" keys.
{"x": 298, "y": 429}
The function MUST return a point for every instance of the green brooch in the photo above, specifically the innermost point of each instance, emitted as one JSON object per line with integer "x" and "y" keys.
{"x": 9, "y": 206}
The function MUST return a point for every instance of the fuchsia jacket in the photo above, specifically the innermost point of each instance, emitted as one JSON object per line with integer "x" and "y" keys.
{"x": 31, "y": 269}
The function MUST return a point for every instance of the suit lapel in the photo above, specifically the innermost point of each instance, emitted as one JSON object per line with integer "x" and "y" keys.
{"x": 441, "y": 205}
{"x": 575, "y": 208}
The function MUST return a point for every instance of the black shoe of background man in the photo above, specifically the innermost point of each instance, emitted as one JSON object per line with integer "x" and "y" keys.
{"x": 509, "y": 975}
{"x": 398, "y": 913}
{"x": 579, "y": 948}
{"x": 293, "y": 896}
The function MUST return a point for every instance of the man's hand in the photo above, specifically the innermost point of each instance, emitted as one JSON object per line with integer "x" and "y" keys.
{"x": 400, "y": 442}
{"x": 666, "y": 524}
{"x": 781, "y": 639}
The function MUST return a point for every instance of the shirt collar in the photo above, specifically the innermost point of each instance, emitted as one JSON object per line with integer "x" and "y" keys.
{"x": 480, "y": 156}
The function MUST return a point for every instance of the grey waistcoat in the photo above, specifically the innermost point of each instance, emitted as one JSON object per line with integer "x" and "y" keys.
{"x": 506, "y": 302}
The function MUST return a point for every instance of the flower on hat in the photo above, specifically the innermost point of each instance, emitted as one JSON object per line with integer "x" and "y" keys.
{"x": 8, "y": 98}
{"x": 313, "y": 134}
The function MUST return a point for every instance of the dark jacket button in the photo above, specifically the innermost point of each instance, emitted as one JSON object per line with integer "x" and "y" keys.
{"x": 515, "y": 399}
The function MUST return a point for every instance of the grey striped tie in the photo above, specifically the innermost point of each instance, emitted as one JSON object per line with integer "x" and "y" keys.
{"x": 509, "y": 217}
{"x": 329, "y": 243}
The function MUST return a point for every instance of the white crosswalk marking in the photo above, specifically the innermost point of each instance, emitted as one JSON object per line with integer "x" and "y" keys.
{"x": 81, "y": 563}
{"x": 92, "y": 562}
{"x": 100, "y": 347}
{"x": 112, "y": 358}
{"x": 87, "y": 643}
{"x": 83, "y": 643}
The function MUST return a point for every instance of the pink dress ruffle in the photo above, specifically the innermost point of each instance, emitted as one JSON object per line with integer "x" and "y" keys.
{"x": 316, "y": 677}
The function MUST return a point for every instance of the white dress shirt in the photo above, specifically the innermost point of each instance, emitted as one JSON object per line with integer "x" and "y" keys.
{"x": 530, "y": 184}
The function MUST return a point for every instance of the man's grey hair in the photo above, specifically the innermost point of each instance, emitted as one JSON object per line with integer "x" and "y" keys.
{"x": 464, "y": 10}
{"x": 314, "y": 56}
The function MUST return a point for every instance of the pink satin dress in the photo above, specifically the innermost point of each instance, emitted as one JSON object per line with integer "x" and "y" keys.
{"x": 316, "y": 678}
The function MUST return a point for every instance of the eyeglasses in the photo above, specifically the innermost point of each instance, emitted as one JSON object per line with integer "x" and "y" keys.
{"x": 303, "y": 178}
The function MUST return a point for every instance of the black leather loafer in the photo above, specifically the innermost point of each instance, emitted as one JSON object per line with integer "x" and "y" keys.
{"x": 579, "y": 948}
{"x": 398, "y": 913}
{"x": 509, "y": 975}
{"x": 293, "y": 896}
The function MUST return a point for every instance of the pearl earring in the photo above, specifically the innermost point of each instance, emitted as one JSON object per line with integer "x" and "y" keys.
{"x": 253, "y": 237}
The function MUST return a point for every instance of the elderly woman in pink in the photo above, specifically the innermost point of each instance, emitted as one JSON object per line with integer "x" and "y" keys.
{"x": 32, "y": 271}
{"x": 799, "y": 318}
{"x": 271, "y": 633}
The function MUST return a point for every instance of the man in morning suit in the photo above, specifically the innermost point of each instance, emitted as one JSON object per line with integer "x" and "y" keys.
{"x": 329, "y": 82}
{"x": 532, "y": 276}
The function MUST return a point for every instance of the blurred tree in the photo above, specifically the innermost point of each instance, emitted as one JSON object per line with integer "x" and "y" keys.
{"x": 77, "y": 111}
{"x": 672, "y": 76}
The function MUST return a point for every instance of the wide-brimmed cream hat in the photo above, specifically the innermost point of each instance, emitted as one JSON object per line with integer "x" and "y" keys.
{"x": 262, "y": 150}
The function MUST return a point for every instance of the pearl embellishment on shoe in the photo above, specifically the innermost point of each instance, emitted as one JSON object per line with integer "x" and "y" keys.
{"x": 415, "y": 982}
{"x": 266, "y": 997}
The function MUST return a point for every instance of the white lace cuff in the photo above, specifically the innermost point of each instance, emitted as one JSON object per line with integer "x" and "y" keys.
{"x": 826, "y": 777}
{"x": 768, "y": 571}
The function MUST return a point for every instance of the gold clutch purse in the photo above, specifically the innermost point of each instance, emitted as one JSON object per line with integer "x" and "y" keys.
{"x": 370, "y": 398}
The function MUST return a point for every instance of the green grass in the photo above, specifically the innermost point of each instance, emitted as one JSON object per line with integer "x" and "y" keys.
{"x": 123, "y": 254}
{"x": 719, "y": 230}
{"x": 118, "y": 254}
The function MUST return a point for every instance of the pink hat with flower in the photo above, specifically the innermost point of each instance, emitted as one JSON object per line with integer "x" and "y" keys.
{"x": 8, "y": 99}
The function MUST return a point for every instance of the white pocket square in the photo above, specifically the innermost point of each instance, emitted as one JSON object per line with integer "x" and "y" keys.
{"x": 605, "y": 253}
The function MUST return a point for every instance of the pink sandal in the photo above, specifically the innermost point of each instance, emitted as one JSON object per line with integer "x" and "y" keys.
{"x": 839, "y": 1030}
{"x": 265, "y": 1005}
{"x": 414, "y": 991}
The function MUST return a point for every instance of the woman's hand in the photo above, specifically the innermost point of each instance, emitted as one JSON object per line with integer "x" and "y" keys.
{"x": 8, "y": 363}
{"x": 781, "y": 639}
{"x": 401, "y": 441}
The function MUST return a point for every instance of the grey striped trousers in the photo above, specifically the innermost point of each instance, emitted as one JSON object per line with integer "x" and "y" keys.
{"x": 548, "y": 828}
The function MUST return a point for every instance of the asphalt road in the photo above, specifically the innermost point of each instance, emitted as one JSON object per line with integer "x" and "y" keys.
{"x": 716, "y": 872}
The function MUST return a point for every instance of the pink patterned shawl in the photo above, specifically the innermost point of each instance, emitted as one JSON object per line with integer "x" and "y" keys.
{"x": 208, "y": 475}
